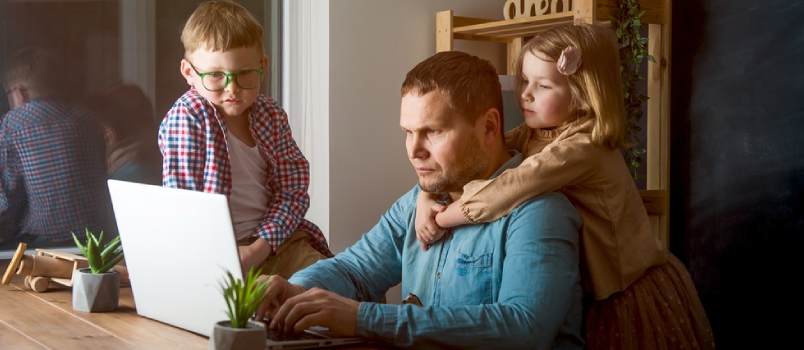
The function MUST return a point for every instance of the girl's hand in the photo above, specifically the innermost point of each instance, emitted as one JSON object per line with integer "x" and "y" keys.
{"x": 427, "y": 231}
{"x": 451, "y": 217}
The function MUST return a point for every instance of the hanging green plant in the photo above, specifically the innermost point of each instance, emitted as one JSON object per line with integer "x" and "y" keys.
{"x": 633, "y": 50}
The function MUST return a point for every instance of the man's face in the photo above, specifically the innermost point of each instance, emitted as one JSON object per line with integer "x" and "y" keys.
{"x": 444, "y": 148}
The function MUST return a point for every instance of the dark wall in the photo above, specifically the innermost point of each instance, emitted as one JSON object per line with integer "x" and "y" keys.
{"x": 737, "y": 214}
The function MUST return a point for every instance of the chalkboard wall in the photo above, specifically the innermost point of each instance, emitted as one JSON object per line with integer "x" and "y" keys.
{"x": 737, "y": 156}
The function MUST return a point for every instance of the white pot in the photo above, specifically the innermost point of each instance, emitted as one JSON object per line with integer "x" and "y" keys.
{"x": 95, "y": 292}
{"x": 224, "y": 337}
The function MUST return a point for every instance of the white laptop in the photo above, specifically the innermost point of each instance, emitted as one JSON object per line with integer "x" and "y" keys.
{"x": 178, "y": 245}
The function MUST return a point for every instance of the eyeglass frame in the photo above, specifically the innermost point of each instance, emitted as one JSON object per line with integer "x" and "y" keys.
{"x": 17, "y": 88}
{"x": 230, "y": 77}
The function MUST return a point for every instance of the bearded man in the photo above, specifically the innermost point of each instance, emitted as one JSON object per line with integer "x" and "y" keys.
{"x": 513, "y": 283}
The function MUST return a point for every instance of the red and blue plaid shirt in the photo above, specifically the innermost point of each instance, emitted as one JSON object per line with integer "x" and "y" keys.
{"x": 52, "y": 173}
{"x": 194, "y": 147}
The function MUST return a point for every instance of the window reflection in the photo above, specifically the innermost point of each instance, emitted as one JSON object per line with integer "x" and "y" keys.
{"x": 118, "y": 61}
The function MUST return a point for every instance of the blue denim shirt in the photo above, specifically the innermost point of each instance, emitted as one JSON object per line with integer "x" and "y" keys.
{"x": 513, "y": 283}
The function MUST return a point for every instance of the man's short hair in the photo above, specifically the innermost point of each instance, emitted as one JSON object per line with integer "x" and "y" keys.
{"x": 470, "y": 83}
{"x": 221, "y": 26}
{"x": 33, "y": 67}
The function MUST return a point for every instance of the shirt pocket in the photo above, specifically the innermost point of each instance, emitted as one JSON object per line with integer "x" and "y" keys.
{"x": 472, "y": 280}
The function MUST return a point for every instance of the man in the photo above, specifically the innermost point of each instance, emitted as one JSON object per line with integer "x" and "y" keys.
{"x": 513, "y": 283}
{"x": 52, "y": 160}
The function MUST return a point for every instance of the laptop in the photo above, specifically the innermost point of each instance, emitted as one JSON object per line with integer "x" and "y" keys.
{"x": 178, "y": 246}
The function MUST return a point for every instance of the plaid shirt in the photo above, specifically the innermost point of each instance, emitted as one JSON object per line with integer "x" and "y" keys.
{"x": 52, "y": 172}
{"x": 192, "y": 138}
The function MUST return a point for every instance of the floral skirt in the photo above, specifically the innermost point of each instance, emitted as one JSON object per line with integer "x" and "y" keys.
{"x": 661, "y": 310}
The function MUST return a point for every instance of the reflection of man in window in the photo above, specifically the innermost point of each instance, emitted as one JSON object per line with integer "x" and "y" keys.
{"x": 52, "y": 159}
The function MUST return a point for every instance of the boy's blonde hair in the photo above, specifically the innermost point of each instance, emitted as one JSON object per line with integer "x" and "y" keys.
{"x": 35, "y": 68}
{"x": 221, "y": 26}
{"x": 470, "y": 83}
{"x": 596, "y": 87}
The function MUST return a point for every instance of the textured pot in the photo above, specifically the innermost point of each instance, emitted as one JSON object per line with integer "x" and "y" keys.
{"x": 95, "y": 292}
{"x": 224, "y": 337}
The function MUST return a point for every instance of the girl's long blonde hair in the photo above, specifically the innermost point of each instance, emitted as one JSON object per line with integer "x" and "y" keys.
{"x": 596, "y": 87}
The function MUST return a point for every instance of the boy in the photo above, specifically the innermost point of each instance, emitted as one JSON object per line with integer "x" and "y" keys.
{"x": 52, "y": 159}
{"x": 223, "y": 136}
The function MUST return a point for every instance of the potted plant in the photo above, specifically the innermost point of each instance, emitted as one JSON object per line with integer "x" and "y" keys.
{"x": 242, "y": 299}
{"x": 97, "y": 288}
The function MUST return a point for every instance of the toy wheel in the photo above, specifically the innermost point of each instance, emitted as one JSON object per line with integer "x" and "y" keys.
{"x": 39, "y": 283}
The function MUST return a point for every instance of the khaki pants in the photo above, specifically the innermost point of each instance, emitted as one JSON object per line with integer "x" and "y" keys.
{"x": 294, "y": 254}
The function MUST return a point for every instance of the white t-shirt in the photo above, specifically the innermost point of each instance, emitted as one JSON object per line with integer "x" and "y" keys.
{"x": 249, "y": 200}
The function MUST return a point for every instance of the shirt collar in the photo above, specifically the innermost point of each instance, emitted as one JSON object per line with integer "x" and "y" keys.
{"x": 516, "y": 159}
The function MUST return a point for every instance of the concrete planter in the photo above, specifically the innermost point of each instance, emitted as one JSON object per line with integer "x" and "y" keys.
{"x": 95, "y": 292}
{"x": 224, "y": 337}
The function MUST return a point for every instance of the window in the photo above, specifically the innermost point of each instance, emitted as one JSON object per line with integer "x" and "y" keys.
{"x": 101, "y": 44}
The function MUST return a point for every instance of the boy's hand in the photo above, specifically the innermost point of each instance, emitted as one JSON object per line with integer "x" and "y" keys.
{"x": 427, "y": 231}
{"x": 253, "y": 254}
{"x": 451, "y": 217}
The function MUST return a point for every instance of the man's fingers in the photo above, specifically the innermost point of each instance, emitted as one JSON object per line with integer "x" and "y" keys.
{"x": 422, "y": 240}
{"x": 266, "y": 310}
{"x": 295, "y": 308}
{"x": 309, "y": 320}
{"x": 300, "y": 310}
{"x": 278, "y": 317}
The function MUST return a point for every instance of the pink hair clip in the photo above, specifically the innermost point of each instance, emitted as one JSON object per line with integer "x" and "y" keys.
{"x": 569, "y": 61}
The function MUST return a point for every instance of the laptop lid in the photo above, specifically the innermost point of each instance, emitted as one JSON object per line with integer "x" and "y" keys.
{"x": 178, "y": 245}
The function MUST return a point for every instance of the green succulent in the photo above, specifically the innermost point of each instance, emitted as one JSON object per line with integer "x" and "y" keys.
{"x": 100, "y": 256}
{"x": 243, "y": 297}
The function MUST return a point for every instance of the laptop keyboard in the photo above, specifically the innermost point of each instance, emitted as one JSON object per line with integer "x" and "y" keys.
{"x": 281, "y": 336}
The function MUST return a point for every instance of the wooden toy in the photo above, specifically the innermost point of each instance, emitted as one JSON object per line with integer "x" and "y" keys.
{"x": 50, "y": 265}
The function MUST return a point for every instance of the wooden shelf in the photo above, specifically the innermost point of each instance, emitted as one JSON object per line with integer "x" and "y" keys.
{"x": 507, "y": 30}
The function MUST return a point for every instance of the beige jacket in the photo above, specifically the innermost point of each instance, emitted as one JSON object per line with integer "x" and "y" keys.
{"x": 617, "y": 245}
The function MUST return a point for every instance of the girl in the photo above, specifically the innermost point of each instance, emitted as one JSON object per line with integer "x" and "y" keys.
{"x": 571, "y": 96}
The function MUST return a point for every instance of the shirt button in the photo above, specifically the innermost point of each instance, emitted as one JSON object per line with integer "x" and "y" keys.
{"x": 438, "y": 275}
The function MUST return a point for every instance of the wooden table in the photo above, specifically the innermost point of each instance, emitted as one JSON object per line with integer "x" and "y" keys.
{"x": 30, "y": 320}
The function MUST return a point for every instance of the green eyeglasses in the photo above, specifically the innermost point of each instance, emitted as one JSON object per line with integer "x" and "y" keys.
{"x": 217, "y": 81}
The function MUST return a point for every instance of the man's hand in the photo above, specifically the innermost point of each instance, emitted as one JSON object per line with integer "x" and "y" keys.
{"x": 451, "y": 217}
{"x": 427, "y": 231}
{"x": 254, "y": 254}
{"x": 316, "y": 307}
{"x": 279, "y": 290}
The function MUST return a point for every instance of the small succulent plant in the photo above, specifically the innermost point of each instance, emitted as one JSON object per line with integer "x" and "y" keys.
{"x": 243, "y": 297}
{"x": 100, "y": 256}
